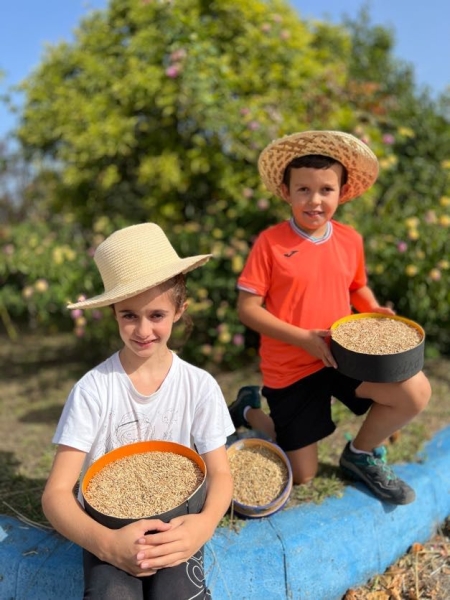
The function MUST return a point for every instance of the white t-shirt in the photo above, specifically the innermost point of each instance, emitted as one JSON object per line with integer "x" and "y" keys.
{"x": 104, "y": 411}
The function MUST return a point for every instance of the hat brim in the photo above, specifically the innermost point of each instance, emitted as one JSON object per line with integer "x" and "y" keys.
{"x": 358, "y": 159}
{"x": 137, "y": 286}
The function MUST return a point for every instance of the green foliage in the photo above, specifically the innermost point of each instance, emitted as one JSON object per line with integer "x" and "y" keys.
{"x": 161, "y": 107}
{"x": 158, "y": 112}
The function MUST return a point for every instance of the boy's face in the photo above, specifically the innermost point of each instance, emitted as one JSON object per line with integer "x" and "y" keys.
{"x": 314, "y": 195}
{"x": 145, "y": 322}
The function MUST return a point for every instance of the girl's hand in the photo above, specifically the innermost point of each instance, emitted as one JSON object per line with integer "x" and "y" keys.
{"x": 170, "y": 548}
{"x": 128, "y": 541}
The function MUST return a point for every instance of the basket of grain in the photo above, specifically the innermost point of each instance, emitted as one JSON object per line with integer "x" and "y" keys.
{"x": 144, "y": 480}
{"x": 262, "y": 477}
{"x": 378, "y": 348}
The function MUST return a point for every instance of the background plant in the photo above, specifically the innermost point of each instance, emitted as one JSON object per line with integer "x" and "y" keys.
{"x": 159, "y": 110}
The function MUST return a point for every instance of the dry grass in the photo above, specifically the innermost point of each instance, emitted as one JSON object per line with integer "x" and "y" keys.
{"x": 422, "y": 574}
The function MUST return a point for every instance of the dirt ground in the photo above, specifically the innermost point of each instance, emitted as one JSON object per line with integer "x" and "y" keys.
{"x": 36, "y": 374}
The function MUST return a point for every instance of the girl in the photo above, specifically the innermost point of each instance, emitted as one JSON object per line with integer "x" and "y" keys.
{"x": 143, "y": 392}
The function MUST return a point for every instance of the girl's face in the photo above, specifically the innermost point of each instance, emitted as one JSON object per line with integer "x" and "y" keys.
{"x": 145, "y": 322}
{"x": 314, "y": 196}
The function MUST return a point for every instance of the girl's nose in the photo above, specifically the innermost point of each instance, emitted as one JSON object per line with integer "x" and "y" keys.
{"x": 143, "y": 328}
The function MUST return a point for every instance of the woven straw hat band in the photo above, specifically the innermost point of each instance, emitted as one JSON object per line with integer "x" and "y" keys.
{"x": 135, "y": 259}
{"x": 358, "y": 159}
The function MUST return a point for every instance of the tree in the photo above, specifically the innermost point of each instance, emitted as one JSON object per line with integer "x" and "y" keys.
{"x": 158, "y": 111}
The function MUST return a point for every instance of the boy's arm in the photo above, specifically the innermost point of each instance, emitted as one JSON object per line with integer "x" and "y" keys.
{"x": 118, "y": 547}
{"x": 253, "y": 314}
{"x": 364, "y": 300}
{"x": 189, "y": 533}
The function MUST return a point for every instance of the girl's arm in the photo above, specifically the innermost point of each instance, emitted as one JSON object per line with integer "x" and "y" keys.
{"x": 62, "y": 509}
{"x": 189, "y": 533}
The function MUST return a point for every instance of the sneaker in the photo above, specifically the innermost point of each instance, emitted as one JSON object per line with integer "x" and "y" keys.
{"x": 377, "y": 475}
{"x": 247, "y": 396}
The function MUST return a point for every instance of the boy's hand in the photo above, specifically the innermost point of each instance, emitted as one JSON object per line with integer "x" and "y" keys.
{"x": 383, "y": 310}
{"x": 316, "y": 345}
{"x": 186, "y": 536}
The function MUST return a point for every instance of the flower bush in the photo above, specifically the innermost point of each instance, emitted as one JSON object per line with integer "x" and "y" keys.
{"x": 158, "y": 112}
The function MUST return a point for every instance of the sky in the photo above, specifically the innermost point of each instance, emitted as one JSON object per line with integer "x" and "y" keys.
{"x": 422, "y": 34}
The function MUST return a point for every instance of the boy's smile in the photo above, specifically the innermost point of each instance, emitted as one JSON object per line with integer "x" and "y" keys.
{"x": 314, "y": 196}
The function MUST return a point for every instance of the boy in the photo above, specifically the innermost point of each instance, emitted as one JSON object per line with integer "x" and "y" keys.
{"x": 143, "y": 392}
{"x": 301, "y": 276}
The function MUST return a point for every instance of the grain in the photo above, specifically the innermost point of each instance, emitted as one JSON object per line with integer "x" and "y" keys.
{"x": 376, "y": 335}
{"x": 259, "y": 475}
{"x": 143, "y": 485}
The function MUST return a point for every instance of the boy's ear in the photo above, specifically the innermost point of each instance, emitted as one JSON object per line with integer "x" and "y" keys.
{"x": 285, "y": 193}
{"x": 343, "y": 190}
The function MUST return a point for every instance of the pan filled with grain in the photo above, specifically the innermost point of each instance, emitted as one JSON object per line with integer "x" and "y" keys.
{"x": 378, "y": 348}
{"x": 144, "y": 480}
{"x": 262, "y": 477}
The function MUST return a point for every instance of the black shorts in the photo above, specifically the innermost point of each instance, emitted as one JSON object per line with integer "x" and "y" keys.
{"x": 301, "y": 412}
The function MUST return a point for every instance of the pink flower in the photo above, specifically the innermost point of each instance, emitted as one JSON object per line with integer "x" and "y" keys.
{"x": 262, "y": 204}
{"x": 79, "y": 332}
{"x": 253, "y": 125}
{"x": 402, "y": 247}
{"x": 76, "y": 313}
{"x": 388, "y": 139}
{"x": 238, "y": 339}
{"x": 173, "y": 71}
{"x": 248, "y": 192}
{"x": 178, "y": 55}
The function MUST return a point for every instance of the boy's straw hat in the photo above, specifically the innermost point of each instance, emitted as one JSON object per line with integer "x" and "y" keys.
{"x": 135, "y": 259}
{"x": 359, "y": 160}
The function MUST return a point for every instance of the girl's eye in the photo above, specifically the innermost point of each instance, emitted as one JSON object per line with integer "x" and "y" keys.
{"x": 128, "y": 316}
{"x": 157, "y": 316}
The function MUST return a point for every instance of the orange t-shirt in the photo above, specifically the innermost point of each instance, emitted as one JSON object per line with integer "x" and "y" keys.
{"x": 304, "y": 282}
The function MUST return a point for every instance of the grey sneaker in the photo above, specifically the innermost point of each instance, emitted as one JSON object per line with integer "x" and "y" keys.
{"x": 247, "y": 396}
{"x": 377, "y": 475}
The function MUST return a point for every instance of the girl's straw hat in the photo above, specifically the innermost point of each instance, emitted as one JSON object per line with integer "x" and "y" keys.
{"x": 135, "y": 259}
{"x": 360, "y": 162}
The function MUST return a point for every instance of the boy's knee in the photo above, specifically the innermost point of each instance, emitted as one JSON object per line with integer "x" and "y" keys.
{"x": 422, "y": 392}
{"x": 302, "y": 479}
